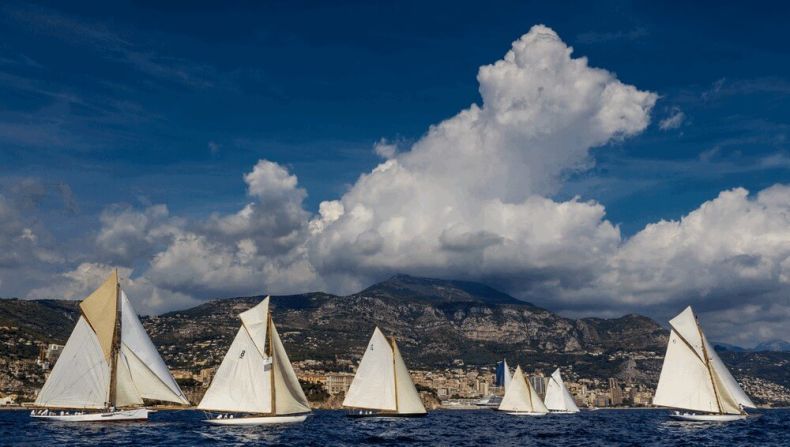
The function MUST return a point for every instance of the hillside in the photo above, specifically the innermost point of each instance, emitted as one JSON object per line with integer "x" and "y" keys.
{"x": 438, "y": 323}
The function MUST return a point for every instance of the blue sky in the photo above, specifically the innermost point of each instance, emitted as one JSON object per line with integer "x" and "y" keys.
{"x": 133, "y": 96}
{"x": 128, "y": 105}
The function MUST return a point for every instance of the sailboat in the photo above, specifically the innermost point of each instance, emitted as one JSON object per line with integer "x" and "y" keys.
{"x": 108, "y": 367}
{"x": 255, "y": 383}
{"x": 694, "y": 378}
{"x": 382, "y": 386}
{"x": 521, "y": 399}
{"x": 503, "y": 378}
{"x": 558, "y": 398}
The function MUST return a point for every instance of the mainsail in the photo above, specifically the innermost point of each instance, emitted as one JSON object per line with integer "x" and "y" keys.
{"x": 382, "y": 381}
{"x": 558, "y": 398}
{"x": 108, "y": 361}
{"x": 521, "y": 396}
{"x": 255, "y": 377}
{"x": 693, "y": 376}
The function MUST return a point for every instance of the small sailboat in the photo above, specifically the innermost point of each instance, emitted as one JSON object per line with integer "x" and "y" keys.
{"x": 108, "y": 367}
{"x": 503, "y": 378}
{"x": 382, "y": 386}
{"x": 255, "y": 383}
{"x": 521, "y": 399}
{"x": 694, "y": 378}
{"x": 558, "y": 398}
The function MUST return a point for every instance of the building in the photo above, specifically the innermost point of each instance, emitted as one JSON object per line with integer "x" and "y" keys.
{"x": 539, "y": 383}
{"x": 337, "y": 383}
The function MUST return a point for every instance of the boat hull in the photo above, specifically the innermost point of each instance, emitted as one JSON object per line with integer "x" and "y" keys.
{"x": 525, "y": 413}
{"x": 691, "y": 417}
{"x": 140, "y": 414}
{"x": 259, "y": 420}
{"x": 381, "y": 415}
{"x": 562, "y": 412}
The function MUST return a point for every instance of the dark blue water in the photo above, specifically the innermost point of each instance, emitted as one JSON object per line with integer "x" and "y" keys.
{"x": 443, "y": 428}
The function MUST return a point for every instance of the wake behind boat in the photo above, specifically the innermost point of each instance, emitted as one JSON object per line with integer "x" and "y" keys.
{"x": 382, "y": 386}
{"x": 694, "y": 378}
{"x": 256, "y": 384}
{"x": 108, "y": 366}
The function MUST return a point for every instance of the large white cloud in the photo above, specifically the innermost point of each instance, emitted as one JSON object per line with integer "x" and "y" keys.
{"x": 469, "y": 196}
{"x": 473, "y": 199}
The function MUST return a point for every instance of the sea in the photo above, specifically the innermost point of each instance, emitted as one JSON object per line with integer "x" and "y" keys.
{"x": 440, "y": 428}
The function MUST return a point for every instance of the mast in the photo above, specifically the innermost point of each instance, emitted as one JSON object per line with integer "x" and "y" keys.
{"x": 529, "y": 391}
{"x": 707, "y": 364}
{"x": 116, "y": 339}
{"x": 269, "y": 331}
{"x": 394, "y": 372}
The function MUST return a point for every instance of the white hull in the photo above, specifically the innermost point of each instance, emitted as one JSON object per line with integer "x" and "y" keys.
{"x": 525, "y": 413}
{"x": 259, "y": 420}
{"x": 691, "y": 417}
{"x": 140, "y": 414}
{"x": 562, "y": 412}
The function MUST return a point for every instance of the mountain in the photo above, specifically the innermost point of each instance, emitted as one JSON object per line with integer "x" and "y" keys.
{"x": 438, "y": 324}
{"x": 773, "y": 346}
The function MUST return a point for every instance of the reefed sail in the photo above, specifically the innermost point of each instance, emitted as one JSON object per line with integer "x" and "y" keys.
{"x": 693, "y": 376}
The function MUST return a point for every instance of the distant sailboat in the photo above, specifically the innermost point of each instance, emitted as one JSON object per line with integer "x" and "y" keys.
{"x": 256, "y": 378}
{"x": 521, "y": 399}
{"x": 503, "y": 378}
{"x": 694, "y": 378}
{"x": 108, "y": 367}
{"x": 382, "y": 385}
{"x": 558, "y": 398}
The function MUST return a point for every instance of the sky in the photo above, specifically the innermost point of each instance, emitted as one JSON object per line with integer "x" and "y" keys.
{"x": 595, "y": 159}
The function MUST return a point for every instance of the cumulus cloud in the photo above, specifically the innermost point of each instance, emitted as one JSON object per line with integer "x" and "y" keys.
{"x": 674, "y": 120}
{"x": 472, "y": 199}
{"x": 470, "y": 195}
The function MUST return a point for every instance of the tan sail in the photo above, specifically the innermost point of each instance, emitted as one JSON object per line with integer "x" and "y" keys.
{"x": 100, "y": 308}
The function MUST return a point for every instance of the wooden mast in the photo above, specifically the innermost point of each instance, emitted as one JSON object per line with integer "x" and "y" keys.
{"x": 115, "y": 344}
{"x": 269, "y": 326}
{"x": 394, "y": 373}
{"x": 707, "y": 364}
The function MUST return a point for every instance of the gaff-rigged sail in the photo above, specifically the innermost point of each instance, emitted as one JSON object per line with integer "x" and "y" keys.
{"x": 255, "y": 377}
{"x": 693, "y": 377}
{"x": 105, "y": 363}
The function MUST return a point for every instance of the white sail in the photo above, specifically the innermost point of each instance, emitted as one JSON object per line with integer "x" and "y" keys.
{"x": 558, "y": 398}
{"x": 407, "y": 397}
{"x": 288, "y": 393}
{"x": 373, "y": 386}
{"x": 242, "y": 382}
{"x": 693, "y": 376}
{"x": 521, "y": 397}
{"x": 81, "y": 376}
{"x": 147, "y": 370}
{"x": 726, "y": 382}
{"x": 508, "y": 376}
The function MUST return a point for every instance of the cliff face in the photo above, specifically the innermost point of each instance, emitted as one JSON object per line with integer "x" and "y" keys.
{"x": 436, "y": 322}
